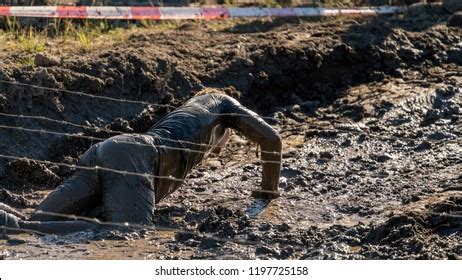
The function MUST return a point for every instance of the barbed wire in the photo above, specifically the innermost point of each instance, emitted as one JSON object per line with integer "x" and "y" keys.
{"x": 127, "y": 225}
{"x": 5, "y": 228}
{"x": 123, "y": 142}
{"x": 60, "y": 122}
{"x": 52, "y": 132}
{"x": 147, "y": 227}
{"x": 124, "y": 225}
{"x": 141, "y": 226}
{"x": 113, "y": 131}
{"x": 96, "y": 167}
{"x": 85, "y": 94}
{"x": 122, "y": 100}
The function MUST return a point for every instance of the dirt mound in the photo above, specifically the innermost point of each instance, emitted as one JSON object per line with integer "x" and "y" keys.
{"x": 28, "y": 174}
{"x": 12, "y": 199}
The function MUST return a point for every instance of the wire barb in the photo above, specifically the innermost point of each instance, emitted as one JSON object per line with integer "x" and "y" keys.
{"x": 99, "y": 139}
{"x": 46, "y": 162}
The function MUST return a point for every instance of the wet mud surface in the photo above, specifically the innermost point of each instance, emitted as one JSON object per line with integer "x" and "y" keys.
{"x": 369, "y": 112}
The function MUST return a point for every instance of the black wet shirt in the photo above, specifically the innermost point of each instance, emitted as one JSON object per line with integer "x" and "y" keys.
{"x": 198, "y": 121}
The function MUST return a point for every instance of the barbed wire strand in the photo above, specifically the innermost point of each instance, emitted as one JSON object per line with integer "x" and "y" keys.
{"x": 167, "y": 147}
{"x": 160, "y": 146}
{"x": 96, "y": 167}
{"x": 171, "y": 140}
{"x": 85, "y": 94}
{"x": 98, "y": 222}
{"x": 52, "y": 132}
{"x": 118, "y": 141}
{"x": 4, "y": 228}
{"x": 140, "y": 226}
{"x": 121, "y": 100}
{"x": 159, "y": 228}
{"x": 113, "y": 131}
{"x": 60, "y": 122}
{"x": 124, "y": 225}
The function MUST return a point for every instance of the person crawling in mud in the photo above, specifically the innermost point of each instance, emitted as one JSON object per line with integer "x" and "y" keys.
{"x": 169, "y": 150}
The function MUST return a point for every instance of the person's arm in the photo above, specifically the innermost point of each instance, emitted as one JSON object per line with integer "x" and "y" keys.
{"x": 256, "y": 129}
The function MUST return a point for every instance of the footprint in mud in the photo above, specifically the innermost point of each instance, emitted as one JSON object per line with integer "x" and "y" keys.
{"x": 23, "y": 174}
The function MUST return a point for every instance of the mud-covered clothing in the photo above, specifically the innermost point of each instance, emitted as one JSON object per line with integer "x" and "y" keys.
{"x": 169, "y": 150}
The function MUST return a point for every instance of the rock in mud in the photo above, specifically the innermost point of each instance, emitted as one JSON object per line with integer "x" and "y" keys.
{"x": 121, "y": 125}
{"x": 382, "y": 157}
{"x": 223, "y": 222}
{"x": 210, "y": 242}
{"x": 46, "y": 60}
{"x": 325, "y": 155}
{"x": 265, "y": 250}
{"x": 441, "y": 135}
{"x": 265, "y": 227}
{"x": 12, "y": 199}
{"x": 425, "y": 145}
{"x": 284, "y": 227}
{"x": 448, "y": 91}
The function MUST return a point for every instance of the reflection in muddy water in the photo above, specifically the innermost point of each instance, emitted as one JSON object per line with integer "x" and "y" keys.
{"x": 256, "y": 207}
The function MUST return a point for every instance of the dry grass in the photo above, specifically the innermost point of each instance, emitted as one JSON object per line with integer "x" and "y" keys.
{"x": 68, "y": 36}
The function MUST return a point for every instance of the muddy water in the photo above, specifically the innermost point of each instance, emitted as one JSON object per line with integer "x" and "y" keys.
{"x": 370, "y": 121}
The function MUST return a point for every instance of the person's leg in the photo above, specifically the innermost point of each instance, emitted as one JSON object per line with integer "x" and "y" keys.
{"x": 128, "y": 198}
{"x": 11, "y": 210}
{"x": 80, "y": 192}
{"x": 11, "y": 224}
{"x": 125, "y": 198}
{"x": 8, "y": 221}
{"x": 58, "y": 227}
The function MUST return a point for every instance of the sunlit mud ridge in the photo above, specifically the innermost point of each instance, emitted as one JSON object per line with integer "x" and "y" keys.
{"x": 369, "y": 112}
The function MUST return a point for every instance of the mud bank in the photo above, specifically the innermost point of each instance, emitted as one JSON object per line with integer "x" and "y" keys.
{"x": 369, "y": 111}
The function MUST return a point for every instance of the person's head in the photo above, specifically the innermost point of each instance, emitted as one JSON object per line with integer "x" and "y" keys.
{"x": 208, "y": 90}
{"x": 230, "y": 91}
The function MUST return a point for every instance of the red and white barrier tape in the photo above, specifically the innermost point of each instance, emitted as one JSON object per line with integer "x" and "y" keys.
{"x": 107, "y": 12}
